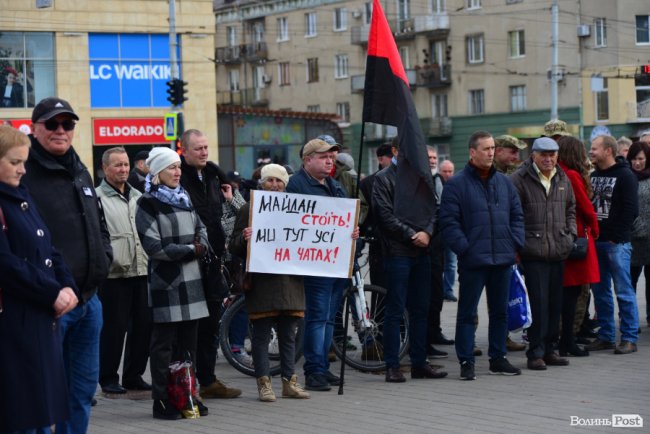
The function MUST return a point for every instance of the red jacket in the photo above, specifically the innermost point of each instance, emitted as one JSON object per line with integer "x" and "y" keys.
{"x": 582, "y": 271}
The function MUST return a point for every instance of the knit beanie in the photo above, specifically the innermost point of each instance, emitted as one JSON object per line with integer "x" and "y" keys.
{"x": 275, "y": 171}
{"x": 161, "y": 158}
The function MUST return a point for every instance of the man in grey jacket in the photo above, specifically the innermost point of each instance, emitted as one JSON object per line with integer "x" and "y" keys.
{"x": 550, "y": 220}
{"x": 124, "y": 292}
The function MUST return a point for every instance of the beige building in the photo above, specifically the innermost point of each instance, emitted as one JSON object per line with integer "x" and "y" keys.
{"x": 472, "y": 64}
{"x": 110, "y": 59}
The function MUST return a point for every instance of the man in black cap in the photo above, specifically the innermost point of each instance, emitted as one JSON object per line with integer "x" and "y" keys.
{"x": 139, "y": 172}
{"x": 64, "y": 193}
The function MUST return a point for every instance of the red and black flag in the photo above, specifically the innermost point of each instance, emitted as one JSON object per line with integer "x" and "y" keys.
{"x": 387, "y": 100}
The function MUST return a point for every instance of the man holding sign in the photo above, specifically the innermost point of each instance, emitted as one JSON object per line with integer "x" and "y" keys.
{"x": 322, "y": 294}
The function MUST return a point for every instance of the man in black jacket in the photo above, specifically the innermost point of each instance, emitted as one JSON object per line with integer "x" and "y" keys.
{"x": 208, "y": 188}
{"x": 407, "y": 269}
{"x": 63, "y": 191}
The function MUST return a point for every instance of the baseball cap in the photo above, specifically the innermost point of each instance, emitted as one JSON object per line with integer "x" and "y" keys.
{"x": 318, "y": 145}
{"x": 556, "y": 127}
{"x": 49, "y": 107}
{"x": 328, "y": 139}
{"x": 507, "y": 141}
{"x": 234, "y": 176}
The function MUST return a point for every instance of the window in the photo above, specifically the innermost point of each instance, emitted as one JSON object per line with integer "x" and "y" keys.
{"x": 517, "y": 98}
{"x": 439, "y": 105}
{"x": 516, "y": 44}
{"x": 231, "y": 36}
{"x": 341, "y": 66}
{"x": 343, "y": 110}
{"x": 340, "y": 19}
{"x": 473, "y": 4}
{"x": 310, "y": 25}
{"x": 312, "y": 70}
{"x": 258, "y": 31}
{"x": 233, "y": 80}
{"x": 313, "y": 108}
{"x": 27, "y": 68}
{"x": 600, "y": 31}
{"x": 283, "y": 74}
{"x": 367, "y": 12}
{"x": 437, "y": 6}
{"x": 642, "y": 29}
{"x": 476, "y": 102}
{"x": 283, "y": 29}
{"x": 404, "y": 55}
{"x": 602, "y": 102}
{"x": 475, "y": 48}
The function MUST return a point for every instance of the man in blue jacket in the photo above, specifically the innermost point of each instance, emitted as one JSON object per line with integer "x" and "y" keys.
{"x": 482, "y": 221}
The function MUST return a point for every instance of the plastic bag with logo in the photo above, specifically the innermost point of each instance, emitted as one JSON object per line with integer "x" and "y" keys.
{"x": 519, "y": 316}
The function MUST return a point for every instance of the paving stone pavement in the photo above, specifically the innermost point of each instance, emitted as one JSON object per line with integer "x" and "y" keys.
{"x": 597, "y": 386}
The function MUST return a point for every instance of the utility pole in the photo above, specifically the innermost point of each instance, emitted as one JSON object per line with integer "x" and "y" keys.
{"x": 554, "y": 57}
{"x": 176, "y": 86}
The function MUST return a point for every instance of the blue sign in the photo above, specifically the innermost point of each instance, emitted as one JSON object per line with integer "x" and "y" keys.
{"x": 171, "y": 133}
{"x": 129, "y": 70}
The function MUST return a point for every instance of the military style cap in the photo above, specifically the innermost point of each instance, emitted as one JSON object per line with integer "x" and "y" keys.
{"x": 556, "y": 127}
{"x": 507, "y": 141}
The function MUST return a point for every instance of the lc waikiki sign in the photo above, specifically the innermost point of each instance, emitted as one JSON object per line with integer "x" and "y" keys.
{"x": 136, "y": 131}
{"x": 128, "y": 70}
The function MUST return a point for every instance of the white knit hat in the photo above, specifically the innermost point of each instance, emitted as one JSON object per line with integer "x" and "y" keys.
{"x": 276, "y": 171}
{"x": 161, "y": 158}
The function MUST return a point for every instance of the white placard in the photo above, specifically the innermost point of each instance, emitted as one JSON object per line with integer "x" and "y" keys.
{"x": 301, "y": 234}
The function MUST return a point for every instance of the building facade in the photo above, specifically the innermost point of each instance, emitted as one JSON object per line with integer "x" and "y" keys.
{"x": 111, "y": 61}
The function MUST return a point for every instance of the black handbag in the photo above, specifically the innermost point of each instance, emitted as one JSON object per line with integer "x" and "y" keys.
{"x": 215, "y": 284}
{"x": 580, "y": 245}
{"x": 241, "y": 280}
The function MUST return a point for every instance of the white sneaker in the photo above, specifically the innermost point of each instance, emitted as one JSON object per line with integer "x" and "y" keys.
{"x": 244, "y": 358}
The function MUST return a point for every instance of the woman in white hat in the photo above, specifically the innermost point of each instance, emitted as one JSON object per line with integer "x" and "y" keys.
{"x": 174, "y": 237}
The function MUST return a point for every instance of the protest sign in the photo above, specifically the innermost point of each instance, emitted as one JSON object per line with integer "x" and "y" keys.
{"x": 301, "y": 234}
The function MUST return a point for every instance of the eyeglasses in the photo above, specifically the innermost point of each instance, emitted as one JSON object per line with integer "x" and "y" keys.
{"x": 53, "y": 124}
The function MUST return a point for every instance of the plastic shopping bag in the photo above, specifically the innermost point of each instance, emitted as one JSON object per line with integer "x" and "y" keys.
{"x": 181, "y": 388}
{"x": 519, "y": 316}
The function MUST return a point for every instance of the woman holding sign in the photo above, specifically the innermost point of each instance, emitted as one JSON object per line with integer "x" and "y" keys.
{"x": 275, "y": 300}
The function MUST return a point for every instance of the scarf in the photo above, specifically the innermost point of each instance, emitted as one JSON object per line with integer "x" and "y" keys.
{"x": 642, "y": 174}
{"x": 171, "y": 196}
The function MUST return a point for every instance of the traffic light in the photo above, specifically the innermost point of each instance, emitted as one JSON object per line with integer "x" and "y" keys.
{"x": 176, "y": 90}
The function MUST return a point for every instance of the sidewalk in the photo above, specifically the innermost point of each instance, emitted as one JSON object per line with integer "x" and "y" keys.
{"x": 535, "y": 402}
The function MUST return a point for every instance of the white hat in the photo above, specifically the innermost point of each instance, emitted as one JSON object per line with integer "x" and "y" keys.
{"x": 161, "y": 158}
{"x": 275, "y": 171}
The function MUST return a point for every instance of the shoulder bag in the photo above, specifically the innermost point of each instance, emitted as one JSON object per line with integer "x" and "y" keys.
{"x": 580, "y": 245}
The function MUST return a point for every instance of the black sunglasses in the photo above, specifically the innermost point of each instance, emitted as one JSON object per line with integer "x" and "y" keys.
{"x": 53, "y": 124}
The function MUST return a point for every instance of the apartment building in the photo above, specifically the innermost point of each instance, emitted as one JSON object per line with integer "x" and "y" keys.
{"x": 111, "y": 60}
{"x": 472, "y": 64}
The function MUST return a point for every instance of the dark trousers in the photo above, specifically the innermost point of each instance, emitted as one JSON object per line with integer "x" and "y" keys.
{"x": 544, "y": 284}
{"x": 207, "y": 344}
{"x": 635, "y": 274}
{"x": 126, "y": 312}
{"x": 286, "y": 328}
{"x": 437, "y": 292}
{"x": 376, "y": 265}
{"x": 569, "y": 301}
{"x": 169, "y": 342}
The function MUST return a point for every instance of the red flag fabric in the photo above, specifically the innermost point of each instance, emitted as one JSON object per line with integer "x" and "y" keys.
{"x": 387, "y": 100}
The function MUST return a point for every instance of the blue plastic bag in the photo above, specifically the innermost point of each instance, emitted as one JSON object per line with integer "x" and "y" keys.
{"x": 519, "y": 316}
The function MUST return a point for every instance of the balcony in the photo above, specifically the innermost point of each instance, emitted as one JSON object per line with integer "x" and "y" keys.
{"x": 433, "y": 75}
{"x": 358, "y": 82}
{"x": 359, "y": 35}
{"x": 252, "y": 52}
{"x": 434, "y": 25}
{"x": 252, "y": 97}
{"x": 440, "y": 127}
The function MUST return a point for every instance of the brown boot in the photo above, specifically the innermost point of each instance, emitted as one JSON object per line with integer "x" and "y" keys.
{"x": 218, "y": 390}
{"x": 264, "y": 389}
{"x": 291, "y": 388}
{"x": 514, "y": 346}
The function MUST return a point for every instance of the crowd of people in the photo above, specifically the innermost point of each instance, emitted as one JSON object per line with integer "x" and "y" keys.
{"x": 87, "y": 274}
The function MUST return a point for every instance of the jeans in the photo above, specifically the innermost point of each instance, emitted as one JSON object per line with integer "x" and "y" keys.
{"x": 544, "y": 285}
{"x": 322, "y": 299}
{"x": 496, "y": 280}
{"x": 614, "y": 263}
{"x": 409, "y": 285}
{"x": 286, "y": 328}
{"x": 239, "y": 329}
{"x": 449, "y": 273}
{"x": 80, "y": 330}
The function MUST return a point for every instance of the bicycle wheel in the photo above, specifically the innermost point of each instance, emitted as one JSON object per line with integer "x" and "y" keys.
{"x": 274, "y": 356}
{"x": 365, "y": 350}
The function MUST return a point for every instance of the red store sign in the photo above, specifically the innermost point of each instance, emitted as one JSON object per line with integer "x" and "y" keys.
{"x": 136, "y": 131}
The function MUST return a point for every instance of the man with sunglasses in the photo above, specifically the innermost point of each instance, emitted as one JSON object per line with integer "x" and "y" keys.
{"x": 64, "y": 193}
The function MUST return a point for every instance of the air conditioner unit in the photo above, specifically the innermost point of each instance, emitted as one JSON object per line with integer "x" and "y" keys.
{"x": 356, "y": 14}
{"x": 266, "y": 79}
{"x": 584, "y": 30}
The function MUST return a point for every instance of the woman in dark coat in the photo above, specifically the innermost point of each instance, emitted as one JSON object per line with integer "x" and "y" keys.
{"x": 36, "y": 289}
{"x": 275, "y": 300}
{"x": 578, "y": 273}
{"x": 174, "y": 237}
